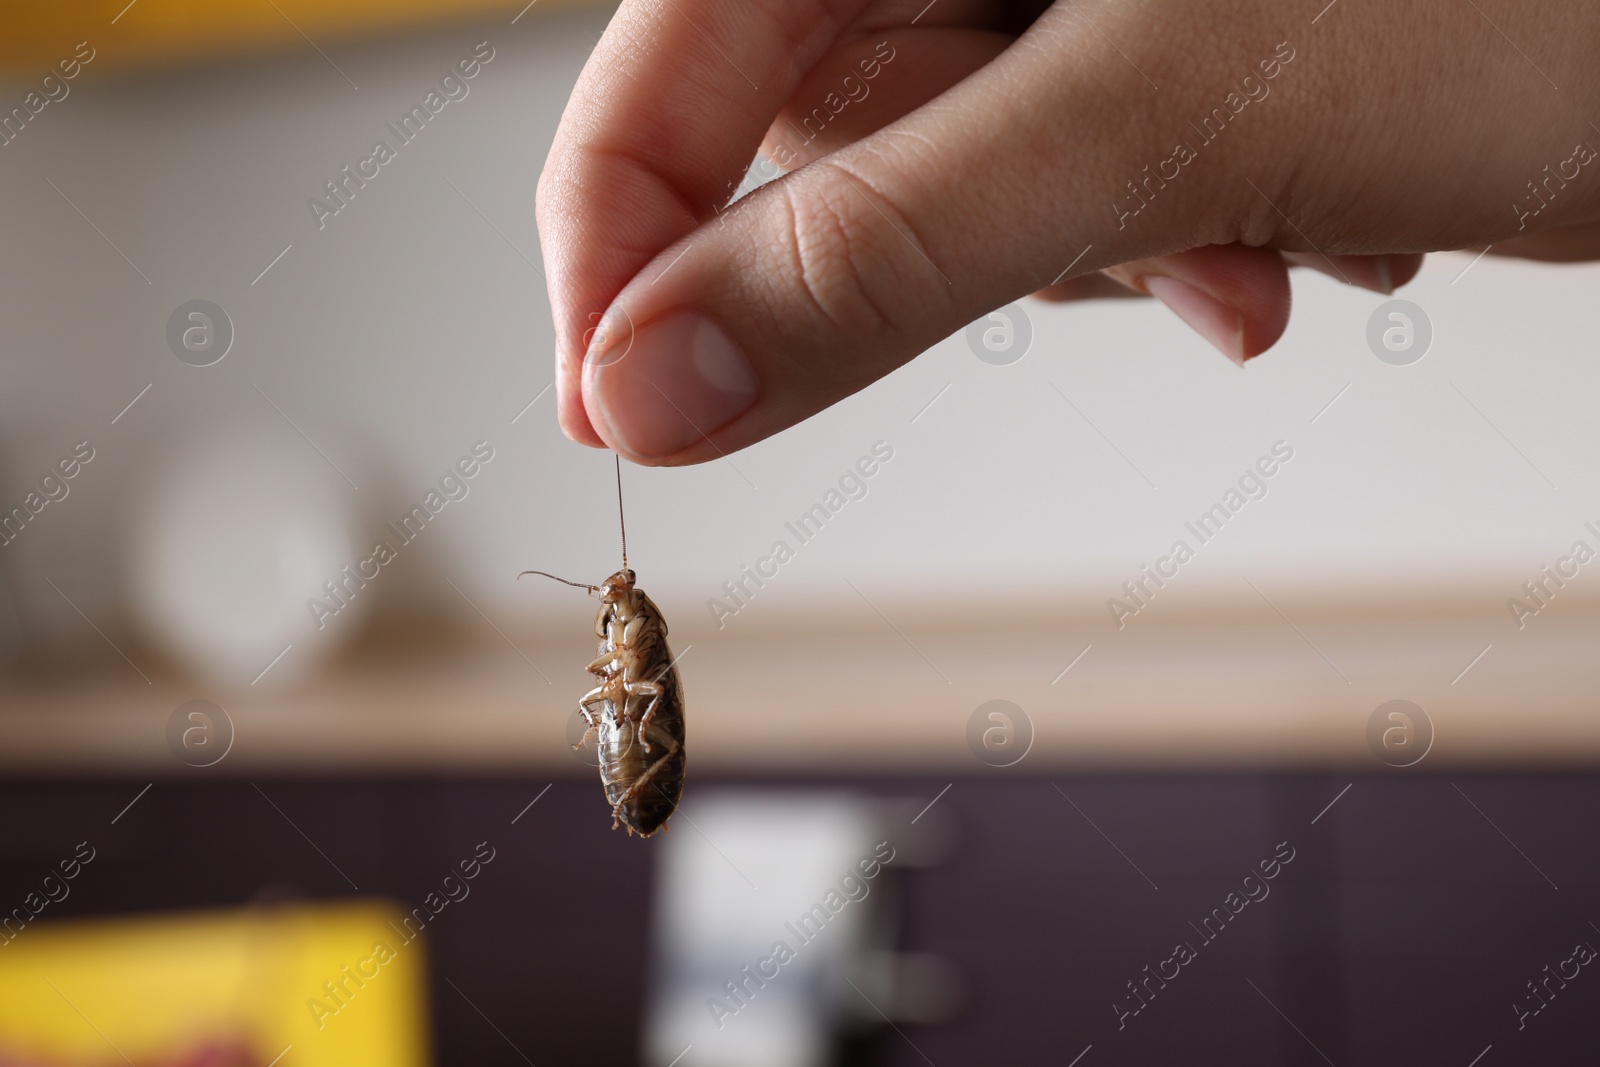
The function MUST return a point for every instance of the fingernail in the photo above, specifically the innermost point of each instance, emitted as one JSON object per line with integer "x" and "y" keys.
{"x": 682, "y": 379}
{"x": 1403, "y": 267}
{"x": 1374, "y": 273}
{"x": 1218, "y": 323}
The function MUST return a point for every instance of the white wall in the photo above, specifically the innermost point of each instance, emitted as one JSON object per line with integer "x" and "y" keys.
{"x": 408, "y": 328}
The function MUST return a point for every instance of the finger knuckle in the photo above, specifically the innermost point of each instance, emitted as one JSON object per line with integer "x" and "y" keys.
{"x": 846, "y": 253}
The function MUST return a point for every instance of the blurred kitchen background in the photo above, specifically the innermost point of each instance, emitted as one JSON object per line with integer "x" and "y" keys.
{"x": 214, "y": 405}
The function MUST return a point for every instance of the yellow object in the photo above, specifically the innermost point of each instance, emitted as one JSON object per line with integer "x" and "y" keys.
{"x": 143, "y": 32}
{"x": 297, "y": 985}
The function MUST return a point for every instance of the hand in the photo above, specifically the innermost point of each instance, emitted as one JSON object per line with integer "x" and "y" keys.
{"x": 954, "y": 156}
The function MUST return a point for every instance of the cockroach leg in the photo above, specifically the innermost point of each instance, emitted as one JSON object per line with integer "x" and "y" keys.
{"x": 656, "y": 688}
{"x": 585, "y": 704}
{"x": 590, "y": 732}
{"x": 653, "y": 691}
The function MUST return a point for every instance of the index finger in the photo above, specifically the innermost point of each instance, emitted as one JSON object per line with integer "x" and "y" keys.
{"x": 665, "y": 119}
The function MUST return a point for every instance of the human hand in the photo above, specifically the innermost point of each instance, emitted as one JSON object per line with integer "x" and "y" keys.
{"x": 949, "y": 166}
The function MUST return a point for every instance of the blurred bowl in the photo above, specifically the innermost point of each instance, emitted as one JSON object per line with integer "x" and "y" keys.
{"x": 232, "y": 532}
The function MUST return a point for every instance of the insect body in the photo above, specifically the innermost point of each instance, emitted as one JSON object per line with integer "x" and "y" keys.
{"x": 637, "y": 709}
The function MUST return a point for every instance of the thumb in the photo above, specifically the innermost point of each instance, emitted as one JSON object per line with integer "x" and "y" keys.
{"x": 821, "y": 282}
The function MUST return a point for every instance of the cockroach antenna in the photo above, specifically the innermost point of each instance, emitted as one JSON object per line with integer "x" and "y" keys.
{"x": 621, "y": 522}
{"x": 563, "y": 581}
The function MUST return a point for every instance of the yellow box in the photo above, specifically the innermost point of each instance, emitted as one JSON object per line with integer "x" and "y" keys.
{"x": 325, "y": 985}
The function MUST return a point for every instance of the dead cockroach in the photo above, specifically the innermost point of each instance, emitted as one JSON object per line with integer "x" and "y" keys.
{"x": 637, "y": 709}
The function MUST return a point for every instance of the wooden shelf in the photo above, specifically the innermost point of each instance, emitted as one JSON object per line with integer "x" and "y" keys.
{"x": 1231, "y": 688}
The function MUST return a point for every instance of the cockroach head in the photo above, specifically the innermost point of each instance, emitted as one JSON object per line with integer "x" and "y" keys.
{"x": 617, "y": 586}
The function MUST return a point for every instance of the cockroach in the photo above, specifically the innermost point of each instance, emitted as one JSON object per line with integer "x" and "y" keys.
{"x": 637, "y": 709}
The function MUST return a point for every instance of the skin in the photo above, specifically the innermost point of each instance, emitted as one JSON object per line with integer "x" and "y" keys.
{"x": 988, "y": 150}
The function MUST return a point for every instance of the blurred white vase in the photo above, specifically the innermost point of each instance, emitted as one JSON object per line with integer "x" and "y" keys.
{"x": 231, "y": 531}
